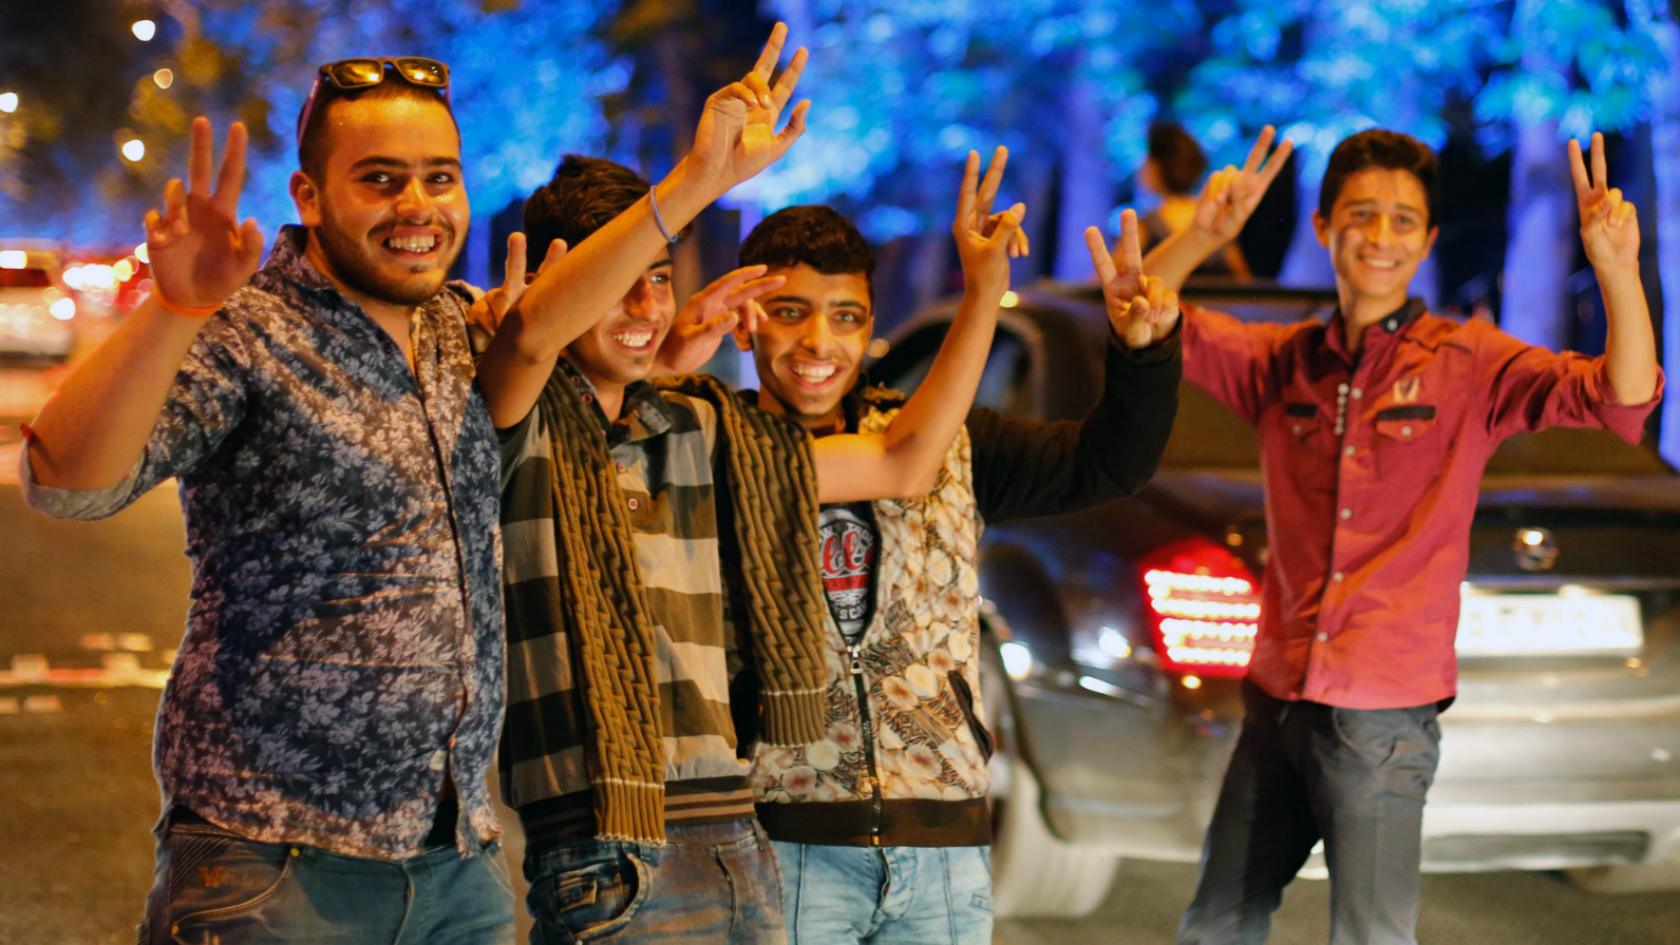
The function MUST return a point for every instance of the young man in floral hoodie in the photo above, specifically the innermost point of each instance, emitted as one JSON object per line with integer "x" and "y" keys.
{"x": 881, "y": 828}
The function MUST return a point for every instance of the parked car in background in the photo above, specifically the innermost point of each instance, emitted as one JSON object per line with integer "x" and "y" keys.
{"x": 1117, "y": 639}
{"x": 37, "y": 310}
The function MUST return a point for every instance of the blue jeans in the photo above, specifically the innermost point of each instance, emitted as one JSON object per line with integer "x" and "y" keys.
{"x": 212, "y": 886}
{"x": 1301, "y": 772}
{"x": 709, "y": 883}
{"x": 886, "y": 895}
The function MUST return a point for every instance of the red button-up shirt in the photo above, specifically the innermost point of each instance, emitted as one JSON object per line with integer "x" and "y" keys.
{"x": 1372, "y": 462}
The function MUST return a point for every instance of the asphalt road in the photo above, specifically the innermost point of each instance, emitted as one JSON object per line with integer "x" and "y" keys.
{"x": 89, "y": 614}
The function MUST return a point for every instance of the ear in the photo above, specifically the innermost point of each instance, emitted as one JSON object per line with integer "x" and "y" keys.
{"x": 307, "y": 197}
{"x": 1321, "y": 229}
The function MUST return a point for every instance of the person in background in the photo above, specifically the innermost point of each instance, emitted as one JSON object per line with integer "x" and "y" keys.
{"x": 1172, "y": 170}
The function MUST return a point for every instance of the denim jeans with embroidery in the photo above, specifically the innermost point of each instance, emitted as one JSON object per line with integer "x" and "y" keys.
{"x": 834, "y": 895}
{"x": 213, "y": 887}
{"x": 709, "y": 884}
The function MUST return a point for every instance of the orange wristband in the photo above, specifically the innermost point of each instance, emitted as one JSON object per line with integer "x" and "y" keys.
{"x": 185, "y": 311}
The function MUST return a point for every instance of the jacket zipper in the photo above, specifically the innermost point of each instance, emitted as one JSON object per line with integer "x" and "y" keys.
{"x": 871, "y": 785}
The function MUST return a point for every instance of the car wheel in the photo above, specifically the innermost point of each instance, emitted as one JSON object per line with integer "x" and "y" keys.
{"x": 1034, "y": 872}
{"x": 1628, "y": 878}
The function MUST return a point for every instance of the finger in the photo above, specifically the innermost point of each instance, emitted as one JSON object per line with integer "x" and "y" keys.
{"x": 772, "y": 51}
{"x": 556, "y": 249}
{"x": 1008, "y": 225}
{"x": 760, "y": 86}
{"x": 1625, "y": 214}
{"x": 783, "y": 90}
{"x": 728, "y": 281}
{"x": 719, "y": 325}
{"x": 1578, "y": 171}
{"x": 753, "y": 289}
{"x": 1275, "y": 163}
{"x": 794, "y": 128}
{"x": 175, "y": 205}
{"x": 991, "y": 182}
{"x": 1100, "y": 259}
{"x": 965, "y": 195}
{"x": 756, "y": 315}
{"x": 1131, "y": 244}
{"x": 1156, "y": 290}
{"x": 250, "y": 244}
{"x": 1025, "y": 244}
{"x": 1600, "y": 173}
{"x": 155, "y": 233}
{"x": 232, "y": 177}
{"x": 513, "y": 276}
{"x": 1257, "y": 153}
{"x": 737, "y": 92}
{"x": 198, "y": 157}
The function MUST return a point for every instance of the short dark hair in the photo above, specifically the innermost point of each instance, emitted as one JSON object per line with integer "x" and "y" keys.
{"x": 312, "y": 138}
{"x": 1384, "y": 149}
{"x": 1177, "y": 156}
{"x": 582, "y": 196}
{"x": 813, "y": 235}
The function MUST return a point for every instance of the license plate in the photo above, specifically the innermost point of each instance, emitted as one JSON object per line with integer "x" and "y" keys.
{"x": 1549, "y": 625}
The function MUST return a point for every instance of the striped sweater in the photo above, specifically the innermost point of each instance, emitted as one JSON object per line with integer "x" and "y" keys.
{"x": 663, "y": 607}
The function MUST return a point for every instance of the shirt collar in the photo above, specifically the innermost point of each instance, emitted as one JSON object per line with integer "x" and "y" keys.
{"x": 289, "y": 270}
{"x": 1388, "y": 326}
{"x": 645, "y": 413}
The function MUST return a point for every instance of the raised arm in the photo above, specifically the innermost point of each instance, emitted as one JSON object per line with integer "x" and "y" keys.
{"x": 1610, "y": 235}
{"x": 904, "y": 459}
{"x": 91, "y": 433}
{"x": 736, "y": 138}
{"x": 1226, "y": 202}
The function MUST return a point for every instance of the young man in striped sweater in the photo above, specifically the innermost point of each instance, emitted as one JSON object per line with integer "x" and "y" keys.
{"x": 880, "y": 822}
{"x": 660, "y": 537}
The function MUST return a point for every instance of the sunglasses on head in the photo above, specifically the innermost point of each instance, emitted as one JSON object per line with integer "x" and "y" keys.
{"x": 350, "y": 75}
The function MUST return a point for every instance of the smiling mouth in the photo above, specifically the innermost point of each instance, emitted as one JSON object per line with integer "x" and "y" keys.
{"x": 635, "y": 339}
{"x": 411, "y": 245}
{"x": 814, "y": 375}
{"x": 1386, "y": 265}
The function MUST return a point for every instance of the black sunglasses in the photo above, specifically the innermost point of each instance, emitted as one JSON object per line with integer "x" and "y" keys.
{"x": 364, "y": 73}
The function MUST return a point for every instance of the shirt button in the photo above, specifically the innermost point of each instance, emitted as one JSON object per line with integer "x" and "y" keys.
{"x": 1391, "y": 324}
{"x": 1341, "y": 388}
{"x": 1406, "y": 430}
{"x": 1324, "y": 638}
{"x": 1349, "y": 451}
{"x": 1295, "y": 428}
{"x": 1356, "y": 393}
{"x": 440, "y": 760}
{"x": 1347, "y": 514}
{"x": 634, "y": 504}
{"x": 1337, "y": 577}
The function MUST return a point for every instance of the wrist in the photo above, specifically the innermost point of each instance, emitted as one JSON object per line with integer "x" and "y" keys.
{"x": 690, "y": 186}
{"x": 170, "y": 307}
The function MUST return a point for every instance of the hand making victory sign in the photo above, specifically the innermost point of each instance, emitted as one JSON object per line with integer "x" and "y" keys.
{"x": 1609, "y": 224}
{"x": 737, "y": 135}
{"x": 986, "y": 241}
{"x": 1141, "y": 309}
{"x": 1230, "y": 195}
{"x": 199, "y": 251}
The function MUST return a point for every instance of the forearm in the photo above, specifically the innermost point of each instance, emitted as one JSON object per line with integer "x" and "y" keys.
{"x": 90, "y": 434}
{"x": 1630, "y": 350}
{"x": 1176, "y": 257}
{"x": 573, "y": 293}
{"x": 916, "y": 441}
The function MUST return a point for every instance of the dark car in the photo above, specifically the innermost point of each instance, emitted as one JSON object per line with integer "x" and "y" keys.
{"x": 1117, "y": 639}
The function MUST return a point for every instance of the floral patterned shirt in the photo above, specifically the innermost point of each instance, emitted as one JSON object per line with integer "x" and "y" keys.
{"x": 343, "y": 653}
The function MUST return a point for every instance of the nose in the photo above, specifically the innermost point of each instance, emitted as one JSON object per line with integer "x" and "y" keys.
{"x": 642, "y": 301}
{"x": 413, "y": 203}
{"x": 1381, "y": 229}
{"x": 817, "y": 336}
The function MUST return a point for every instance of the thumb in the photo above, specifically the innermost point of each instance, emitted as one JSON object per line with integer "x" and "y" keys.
{"x": 1007, "y": 225}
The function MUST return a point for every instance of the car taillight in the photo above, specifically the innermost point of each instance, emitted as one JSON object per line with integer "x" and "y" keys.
{"x": 1204, "y": 608}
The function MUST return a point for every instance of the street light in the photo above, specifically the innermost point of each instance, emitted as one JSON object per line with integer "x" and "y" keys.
{"x": 8, "y": 102}
{"x": 134, "y": 149}
{"x": 144, "y": 30}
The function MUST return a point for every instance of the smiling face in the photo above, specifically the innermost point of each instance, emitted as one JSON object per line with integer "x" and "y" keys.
{"x": 621, "y": 348}
{"x": 1378, "y": 233}
{"x": 389, "y": 214}
{"x": 811, "y": 347}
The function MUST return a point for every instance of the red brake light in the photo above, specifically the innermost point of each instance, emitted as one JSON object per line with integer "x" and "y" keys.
{"x": 1204, "y": 608}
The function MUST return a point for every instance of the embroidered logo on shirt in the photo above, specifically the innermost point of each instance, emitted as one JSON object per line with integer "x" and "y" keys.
{"x": 1406, "y": 390}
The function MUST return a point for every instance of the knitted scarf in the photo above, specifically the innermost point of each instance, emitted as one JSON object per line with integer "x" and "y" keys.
{"x": 772, "y": 480}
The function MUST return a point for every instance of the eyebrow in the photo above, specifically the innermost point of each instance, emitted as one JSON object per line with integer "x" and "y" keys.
{"x": 1372, "y": 201}
{"x": 382, "y": 160}
{"x": 801, "y": 300}
{"x": 664, "y": 262}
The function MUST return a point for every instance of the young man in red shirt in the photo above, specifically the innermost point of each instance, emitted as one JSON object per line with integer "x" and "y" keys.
{"x": 1374, "y": 431}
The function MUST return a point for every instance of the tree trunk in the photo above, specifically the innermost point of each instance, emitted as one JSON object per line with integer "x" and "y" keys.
{"x": 1085, "y": 192}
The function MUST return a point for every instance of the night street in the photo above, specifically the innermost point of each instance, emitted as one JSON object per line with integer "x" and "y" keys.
{"x": 91, "y": 615}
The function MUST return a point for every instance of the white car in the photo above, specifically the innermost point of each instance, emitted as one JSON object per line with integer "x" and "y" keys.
{"x": 37, "y": 312}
